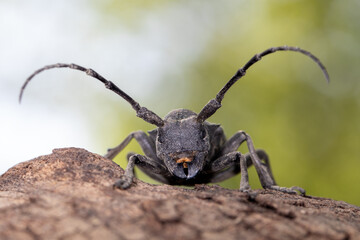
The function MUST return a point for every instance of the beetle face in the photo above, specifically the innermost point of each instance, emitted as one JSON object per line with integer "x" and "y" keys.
{"x": 183, "y": 145}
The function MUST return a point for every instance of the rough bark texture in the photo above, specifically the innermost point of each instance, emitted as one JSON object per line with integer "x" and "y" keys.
{"x": 69, "y": 195}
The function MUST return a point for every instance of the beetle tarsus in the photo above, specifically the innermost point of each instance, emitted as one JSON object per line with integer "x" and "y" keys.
{"x": 123, "y": 183}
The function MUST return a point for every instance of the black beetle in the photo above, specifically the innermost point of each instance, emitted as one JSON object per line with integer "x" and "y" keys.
{"x": 185, "y": 149}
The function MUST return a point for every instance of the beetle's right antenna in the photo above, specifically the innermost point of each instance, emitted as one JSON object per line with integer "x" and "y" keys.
{"x": 214, "y": 104}
{"x": 141, "y": 112}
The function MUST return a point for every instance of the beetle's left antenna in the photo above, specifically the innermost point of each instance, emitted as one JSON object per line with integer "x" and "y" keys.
{"x": 214, "y": 104}
{"x": 141, "y": 112}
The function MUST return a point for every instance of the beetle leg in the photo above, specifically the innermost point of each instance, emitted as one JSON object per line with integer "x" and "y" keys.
{"x": 153, "y": 168}
{"x": 145, "y": 142}
{"x": 263, "y": 168}
{"x": 264, "y": 161}
{"x": 126, "y": 180}
{"x": 292, "y": 190}
{"x": 226, "y": 166}
{"x": 257, "y": 157}
{"x": 265, "y": 175}
{"x": 143, "y": 162}
{"x": 225, "y": 161}
{"x": 149, "y": 164}
{"x": 232, "y": 163}
{"x": 234, "y": 142}
{"x": 244, "y": 181}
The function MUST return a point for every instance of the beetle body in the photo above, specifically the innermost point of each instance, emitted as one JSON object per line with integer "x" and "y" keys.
{"x": 185, "y": 149}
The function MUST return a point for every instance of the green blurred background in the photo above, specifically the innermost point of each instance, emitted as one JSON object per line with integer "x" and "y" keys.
{"x": 309, "y": 128}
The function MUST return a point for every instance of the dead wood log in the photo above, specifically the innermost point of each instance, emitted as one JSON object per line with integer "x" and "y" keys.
{"x": 68, "y": 195}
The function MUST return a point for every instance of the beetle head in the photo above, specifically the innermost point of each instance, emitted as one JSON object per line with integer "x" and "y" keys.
{"x": 182, "y": 143}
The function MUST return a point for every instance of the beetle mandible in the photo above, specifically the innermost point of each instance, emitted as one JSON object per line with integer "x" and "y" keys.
{"x": 185, "y": 149}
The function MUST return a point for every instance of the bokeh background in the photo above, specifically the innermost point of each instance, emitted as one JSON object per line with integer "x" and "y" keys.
{"x": 178, "y": 54}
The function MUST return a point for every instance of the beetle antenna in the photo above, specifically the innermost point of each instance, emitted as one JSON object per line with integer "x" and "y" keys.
{"x": 214, "y": 104}
{"x": 141, "y": 112}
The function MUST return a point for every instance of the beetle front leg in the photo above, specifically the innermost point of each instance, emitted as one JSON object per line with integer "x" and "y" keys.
{"x": 126, "y": 180}
{"x": 231, "y": 162}
{"x": 263, "y": 170}
{"x": 146, "y": 144}
{"x": 265, "y": 175}
{"x": 226, "y": 166}
{"x": 244, "y": 181}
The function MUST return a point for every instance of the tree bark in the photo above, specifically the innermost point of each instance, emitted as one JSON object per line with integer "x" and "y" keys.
{"x": 68, "y": 195}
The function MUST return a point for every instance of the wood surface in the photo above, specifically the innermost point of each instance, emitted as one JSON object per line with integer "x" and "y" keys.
{"x": 68, "y": 195}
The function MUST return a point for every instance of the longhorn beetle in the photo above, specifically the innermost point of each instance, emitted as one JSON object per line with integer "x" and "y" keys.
{"x": 185, "y": 149}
